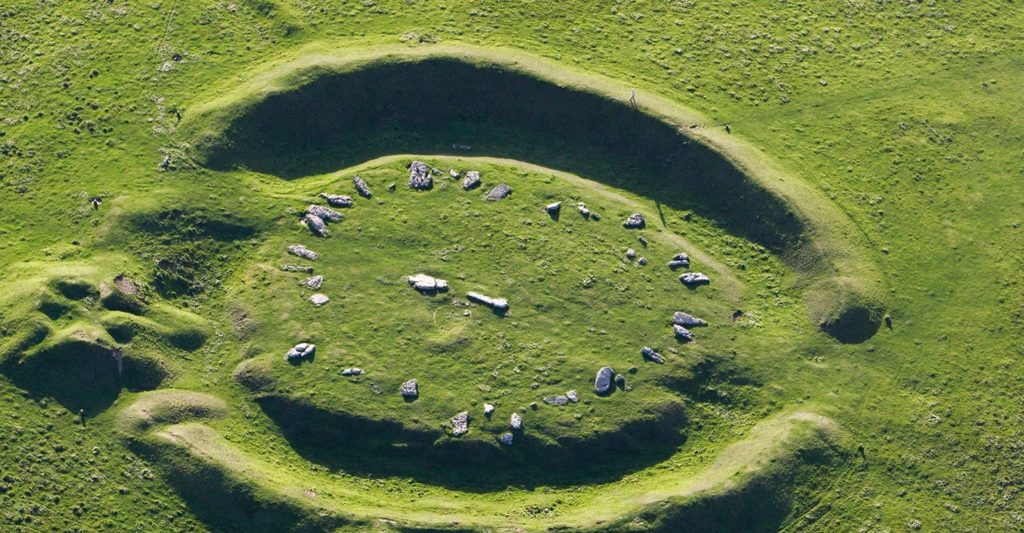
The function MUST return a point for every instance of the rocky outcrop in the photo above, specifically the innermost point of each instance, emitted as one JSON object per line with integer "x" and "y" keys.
{"x": 303, "y": 252}
{"x": 635, "y": 221}
{"x": 498, "y": 304}
{"x": 500, "y": 191}
{"x": 471, "y": 181}
{"x": 460, "y": 424}
{"x": 419, "y": 176}
{"x": 337, "y": 200}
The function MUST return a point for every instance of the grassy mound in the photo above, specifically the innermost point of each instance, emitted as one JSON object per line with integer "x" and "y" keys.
{"x": 320, "y": 113}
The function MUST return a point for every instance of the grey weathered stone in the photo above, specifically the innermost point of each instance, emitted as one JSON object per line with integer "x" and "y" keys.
{"x": 410, "y": 389}
{"x": 631, "y": 253}
{"x": 642, "y": 261}
{"x": 694, "y": 278}
{"x": 582, "y": 208}
{"x": 471, "y": 181}
{"x": 556, "y": 400}
{"x": 313, "y": 282}
{"x": 516, "y": 422}
{"x": 300, "y": 351}
{"x": 354, "y": 371}
{"x": 573, "y": 396}
{"x": 325, "y": 213}
{"x": 488, "y": 409}
{"x": 681, "y": 333}
{"x": 425, "y": 283}
{"x": 603, "y": 381}
{"x": 316, "y": 225}
{"x": 460, "y": 424}
{"x": 337, "y": 200}
{"x": 635, "y": 221}
{"x": 687, "y": 320}
{"x": 642, "y": 239}
{"x": 505, "y": 439}
{"x": 303, "y": 252}
{"x": 498, "y": 304}
{"x": 500, "y": 191}
{"x": 553, "y": 209}
{"x": 319, "y": 299}
{"x": 620, "y": 381}
{"x": 361, "y": 187}
{"x": 419, "y": 176}
{"x": 648, "y": 353}
{"x": 297, "y": 268}
{"x": 679, "y": 261}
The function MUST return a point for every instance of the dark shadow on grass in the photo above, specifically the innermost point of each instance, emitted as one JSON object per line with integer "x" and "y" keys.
{"x": 476, "y": 462}
{"x": 340, "y": 120}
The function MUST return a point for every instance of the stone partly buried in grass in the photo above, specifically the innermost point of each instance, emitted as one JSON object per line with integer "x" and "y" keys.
{"x": 313, "y": 282}
{"x": 498, "y": 304}
{"x": 316, "y": 225}
{"x": 337, "y": 200}
{"x": 679, "y": 261}
{"x": 303, "y": 252}
{"x": 692, "y": 279}
{"x": 649, "y": 354}
{"x": 361, "y": 187}
{"x": 319, "y": 299}
{"x": 325, "y": 213}
{"x": 500, "y": 191}
{"x": 460, "y": 424}
{"x": 635, "y": 221}
{"x": 299, "y": 352}
{"x": 425, "y": 283}
{"x": 687, "y": 320}
{"x": 410, "y": 390}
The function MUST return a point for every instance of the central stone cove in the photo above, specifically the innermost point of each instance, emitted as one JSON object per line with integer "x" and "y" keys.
{"x": 548, "y": 330}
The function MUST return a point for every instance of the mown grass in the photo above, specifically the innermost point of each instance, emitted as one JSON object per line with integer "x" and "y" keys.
{"x": 914, "y": 134}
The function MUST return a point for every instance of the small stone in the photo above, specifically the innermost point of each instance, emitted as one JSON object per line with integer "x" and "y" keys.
{"x": 694, "y": 278}
{"x": 498, "y": 304}
{"x": 313, "y": 282}
{"x": 419, "y": 176}
{"x": 620, "y": 381}
{"x": 410, "y": 389}
{"x": 460, "y": 424}
{"x": 556, "y": 400}
{"x": 300, "y": 351}
{"x": 582, "y": 208}
{"x": 316, "y": 225}
{"x": 642, "y": 261}
{"x": 325, "y": 213}
{"x": 354, "y": 371}
{"x": 553, "y": 209}
{"x": 573, "y": 396}
{"x": 648, "y": 353}
{"x": 488, "y": 409}
{"x": 635, "y": 221}
{"x": 337, "y": 200}
{"x": 682, "y": 333}
{"x": 505, "y": 439}
{"x": 297, "y": 268}
{"x": 500, "y": 191}
{"x": 643, "y": 240}
{"x": 679, "y": 261}
{"x": 631, "y": 253}
{"x": 425, "y": 283}
{"x": 471, "y": 181}
{"x": 361, "y": 187}
{"x": 516, "y": 422}
{"x": 392, "y": 187}
{"x": 319, "y": 299}
{"x": 603, "y": 381}
{"x": 303, "y": 252}
{"x": 687, "y": 320}
{"x": 534, "y": 406}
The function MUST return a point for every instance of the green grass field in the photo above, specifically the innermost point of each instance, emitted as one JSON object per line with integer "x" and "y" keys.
{"x": 847, "y": 174}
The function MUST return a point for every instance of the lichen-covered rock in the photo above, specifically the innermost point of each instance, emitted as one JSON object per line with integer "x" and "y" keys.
{"x": 319, "y": 299}
{"x": 679, "y": 261}
{"x": 603, "y": 381}
{"x": 682, "y": 333}
{"x": 313, "y": 282}
{"x": 297, "y": 268}
{"x": 325, "y": 213}
{"x": 410, "y": 389}
{"x": 648, "y": 353}
{"x": 300, "y": 351}
{"x": 498, "y": 304}
{"x": 353, "y": 371}
{"x": 506, "y": 439}
{"x": 488, "y": 409}
{"x": 573, "y": 396}
{"x": 471, "y": 181}
{"x": 687, "y": 320}
{"x": 316, "y": 225}
{"x": 556, "y": 400}
{"x": 303, "y": 252}
{"x": 500, "y": 191}
{"x": 337, "y": 200}
{"x": 419, "y": 176}
{"x": 460, "y": 424}
{"x": 361, "y": 187}
{"x": 425, "y": 283}
{"x": 515, "y": 422}
{"x": 694, "y": 278}
{"x": 553, "y": 209}
{"x": 635, "y": 221}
